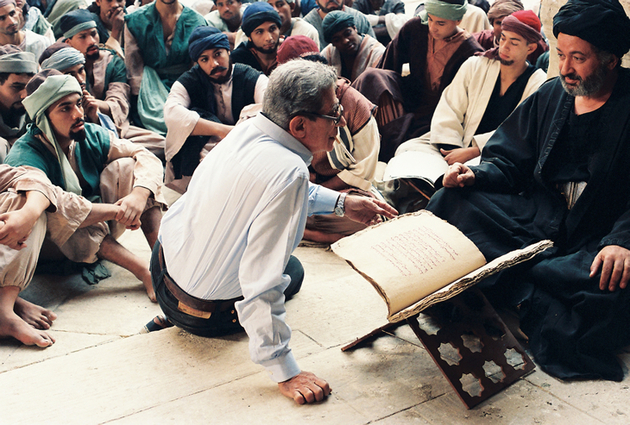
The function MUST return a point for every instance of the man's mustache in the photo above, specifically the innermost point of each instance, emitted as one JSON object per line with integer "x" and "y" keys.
{"x": 217, "y": 70}
{"x": 78, "y": 122}
{"x": 572, "y": 77}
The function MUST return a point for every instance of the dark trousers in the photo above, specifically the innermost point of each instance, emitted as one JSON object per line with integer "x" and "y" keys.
{"x": 223, "y": 321}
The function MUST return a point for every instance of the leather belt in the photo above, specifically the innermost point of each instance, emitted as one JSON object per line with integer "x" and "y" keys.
{"x": 188, "y": 304}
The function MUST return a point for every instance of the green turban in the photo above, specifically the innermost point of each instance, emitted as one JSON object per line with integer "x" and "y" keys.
{"x": 444, "y": 10}
{"x": 53, "y": 88}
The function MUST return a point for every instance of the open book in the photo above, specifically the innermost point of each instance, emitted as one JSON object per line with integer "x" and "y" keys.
{"x": 417, "y": 260}
{"x": 423, "y": 161}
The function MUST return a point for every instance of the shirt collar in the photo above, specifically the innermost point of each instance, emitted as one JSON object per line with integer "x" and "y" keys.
{"x": 283, "y": 137}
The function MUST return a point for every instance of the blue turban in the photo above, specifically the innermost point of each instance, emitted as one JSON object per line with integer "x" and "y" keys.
{"x": 257, "y": 14}
{"x": 76, "y": 21}
{"x": 63, "y": 59}
{"x": 204, "y": 38}
{"x": 336, "y": 21}
{"x": 603, "y": 23}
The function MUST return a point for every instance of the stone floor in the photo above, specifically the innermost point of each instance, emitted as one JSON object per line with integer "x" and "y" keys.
{"x": 102, "y": 370}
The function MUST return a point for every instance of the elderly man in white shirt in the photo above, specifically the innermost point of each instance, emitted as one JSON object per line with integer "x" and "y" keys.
{"x": 227, "y": 241}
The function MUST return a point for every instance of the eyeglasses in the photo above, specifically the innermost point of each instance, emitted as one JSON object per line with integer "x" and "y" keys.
{"x": 337, "y": 119}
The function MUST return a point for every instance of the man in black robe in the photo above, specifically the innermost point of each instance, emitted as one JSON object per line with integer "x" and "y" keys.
{"x": 557, "y": 169}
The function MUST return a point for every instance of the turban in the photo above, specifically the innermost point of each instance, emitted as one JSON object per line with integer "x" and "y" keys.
{"x": 524, "y": 23}
{"x": 14, "y": 61}
{"x": 258, "y": 13}
{"x": 204, "y": 38}
{"x": 296, "y": 46}
{"x": 53, "y": 88}
{"x": 63, "y": 59}
{"x": 76, "y": 21}
{"x": 336, "y": 21}
{"x": 444, "y": 10}
{"x": 7, "y": 2}
{"x": 52, "y": 49}
{"x": 502, "y": 8}
{"x": 603, "y": 23}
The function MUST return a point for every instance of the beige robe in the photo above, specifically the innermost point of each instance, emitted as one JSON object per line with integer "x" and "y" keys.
{"x": 66, "y": 213}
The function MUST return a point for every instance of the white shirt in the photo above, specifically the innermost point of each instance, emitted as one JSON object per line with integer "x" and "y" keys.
{"x": 233, "y": 231}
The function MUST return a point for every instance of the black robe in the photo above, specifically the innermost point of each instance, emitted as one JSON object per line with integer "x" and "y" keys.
{"x": 574, "y": 328}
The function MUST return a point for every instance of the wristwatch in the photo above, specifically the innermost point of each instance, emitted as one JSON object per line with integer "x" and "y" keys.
{"x": 340, "y": 208}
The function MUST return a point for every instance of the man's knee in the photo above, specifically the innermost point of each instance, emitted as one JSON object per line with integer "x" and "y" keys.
{"x": 295, "y": 270}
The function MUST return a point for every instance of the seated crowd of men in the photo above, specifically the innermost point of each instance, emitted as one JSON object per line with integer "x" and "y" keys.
{"x": 288, "y": 117}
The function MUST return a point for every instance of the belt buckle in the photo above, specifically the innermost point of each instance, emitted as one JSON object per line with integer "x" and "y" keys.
{"x": 193, "y": 311}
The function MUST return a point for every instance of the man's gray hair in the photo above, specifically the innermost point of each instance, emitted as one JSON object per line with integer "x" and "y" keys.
{"x": 297, "y": 86}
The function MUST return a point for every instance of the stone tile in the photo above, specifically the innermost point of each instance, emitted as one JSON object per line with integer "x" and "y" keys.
{"x": 318, "y": 256}
{"x": 117, "y": 379}
{"x": 117, "y": 305}
{"x": 388, "y": 376}
{"x": 337, "y": 310}
{"x": 251, "y": 400}
{"x": 409, "y": 416}
{"x": 605, "y": 400}
{"x": 14, "y": 355}
{"x": 521, "y": 403}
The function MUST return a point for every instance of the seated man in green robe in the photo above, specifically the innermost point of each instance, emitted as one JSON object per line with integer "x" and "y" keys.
{"x": 85, "y": 159}
{"x": 156, "y": 54}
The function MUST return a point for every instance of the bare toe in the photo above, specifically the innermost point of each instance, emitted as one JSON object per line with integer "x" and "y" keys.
{"x": 36, "y": 316}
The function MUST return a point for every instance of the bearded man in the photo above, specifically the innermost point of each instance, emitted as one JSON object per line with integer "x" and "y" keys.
{"x": 261, "y": 25}
{"x": 557, "y": 169}
{"x": 205, "y": 103}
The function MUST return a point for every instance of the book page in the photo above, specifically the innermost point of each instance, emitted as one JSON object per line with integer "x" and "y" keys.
{"x": 503, "y": 262}
{"x": 425, "y": 162}
{"x": 410, "y": 257}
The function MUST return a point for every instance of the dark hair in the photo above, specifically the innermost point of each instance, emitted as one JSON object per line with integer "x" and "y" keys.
{"x": 315, "y": 57}
{"x": 4, "y": 76}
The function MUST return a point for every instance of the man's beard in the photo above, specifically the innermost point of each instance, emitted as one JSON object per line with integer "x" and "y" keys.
{"x": 506, "y": 62}
{"x": 587, "y": 86}
{"x": 268, "y": 51}
{"x": 93, "y": 56}
{"x": 78, "y": 135}
{"x": 222, "y": 79}
{"x": 326, "y": 9}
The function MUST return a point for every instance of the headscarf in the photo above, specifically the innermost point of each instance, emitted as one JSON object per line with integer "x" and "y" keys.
{"x": 444, "y": 10}
{"x": 14, "y": 61}
{"x": 336, "y": 21}
{"x": 63, "y": 59}
{"x": 603, "y": 23}
{"x": 502, "y": 8}
{"x": 54, "y": 87}
{"x": 524, "y": 23}
{"x": 50, "y": 50}
{"x": 76, "y": 21}
{"x": 257, "y": 14}
{"x": 296, "y": 46}
{"x": 204, "y": 38}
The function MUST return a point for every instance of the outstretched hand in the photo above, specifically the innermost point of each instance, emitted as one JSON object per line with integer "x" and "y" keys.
{"x": 614, "y": 263}
{"x": 305, "y": 388}
{"x": 367, "y": 210}
{"x": 458, "y": 175}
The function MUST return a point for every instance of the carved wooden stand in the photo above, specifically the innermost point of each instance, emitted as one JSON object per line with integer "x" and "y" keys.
{"x": 471, "y": 345}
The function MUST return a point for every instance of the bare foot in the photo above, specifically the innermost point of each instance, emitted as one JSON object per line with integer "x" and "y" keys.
{"x": 34, "y": 315}
{"x": 148, "y": 285}
{"x": 14, "y": 326}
